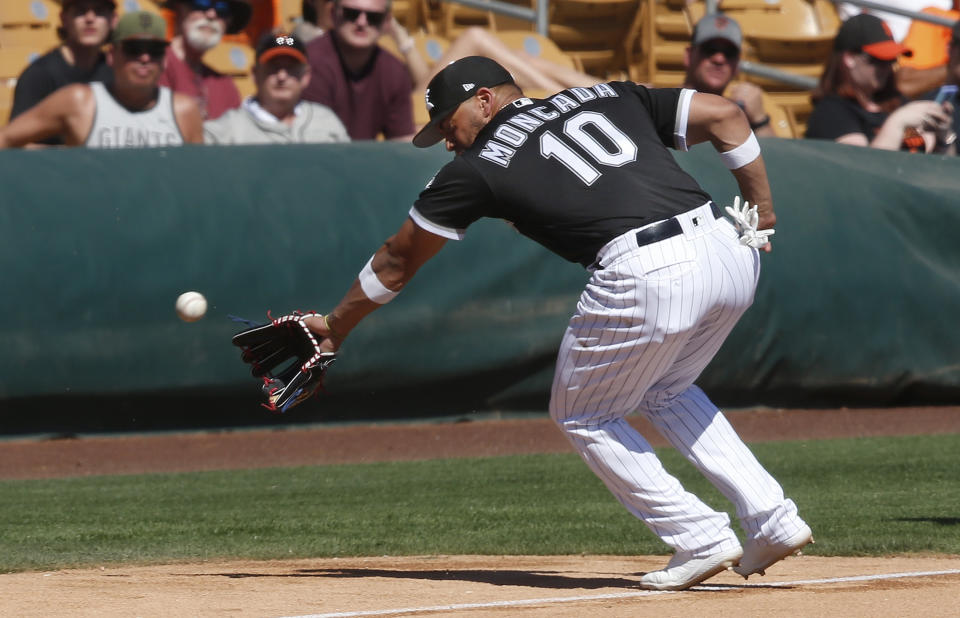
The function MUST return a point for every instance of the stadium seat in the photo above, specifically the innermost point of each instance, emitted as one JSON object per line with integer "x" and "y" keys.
{"x": 7, "y": 86}
{"x": 598, "y": 34}
{"x": 657, "y": 56}
{"x": 13, "y": 60}
{"x": 245, "y": 84}
{"x": 290, "y": 13}
{"x": 29, "y": 36}
{"x": 420, "y": 114}
{"x": 230, "y": 58}
{"x": 535, "y": 45}
{"x": 430, "y": 46}
{"x": 34, "y": 13}
{"x": 455, "y": 18}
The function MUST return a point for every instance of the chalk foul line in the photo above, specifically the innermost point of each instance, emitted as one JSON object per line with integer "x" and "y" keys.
{"x": 622, "y": 595}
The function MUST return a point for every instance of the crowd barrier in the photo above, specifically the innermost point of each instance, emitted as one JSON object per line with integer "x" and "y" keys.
{"x": 857, "y": 304}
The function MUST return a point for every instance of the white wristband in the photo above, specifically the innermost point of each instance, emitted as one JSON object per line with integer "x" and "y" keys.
{"x": 370, "y": 283}
{"x": 745, "y": 153}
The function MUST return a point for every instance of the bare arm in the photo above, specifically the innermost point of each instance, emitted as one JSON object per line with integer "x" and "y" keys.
{"x": 395, "y": 263}
{"x": 67, "y": 112}
{"x": 187, "y": 113}
{"x": 721, "y": 122}
{"x": 419, "y": 71}
{"x": 921, "y": 115}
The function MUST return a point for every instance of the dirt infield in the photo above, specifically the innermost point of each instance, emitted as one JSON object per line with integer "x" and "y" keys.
{"x": 458, "y": 585}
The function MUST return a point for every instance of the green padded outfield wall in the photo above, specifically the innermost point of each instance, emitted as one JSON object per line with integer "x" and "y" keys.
{"x": 859, "y": 302}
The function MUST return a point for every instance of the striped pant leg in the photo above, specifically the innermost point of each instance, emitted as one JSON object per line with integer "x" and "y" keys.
{"x": 693, "y": 425}
{"x": 632, "y": 322}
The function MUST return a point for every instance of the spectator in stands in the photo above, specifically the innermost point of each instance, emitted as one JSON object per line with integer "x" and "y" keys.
{"x": 528, "y": 71}
{"x": 712, "y": 60}
{"x": 276, "y": 114}
{"x": 952, "y": 79}
{"x": 199, "y": 27}
{"x": 856, "y": 101}
{"x": 131, "y": 111}
{"x": 85, "y": 27}
{"x": 316, "y": 19}
{"x": 367, "y": 87}
{"x": 929, "y": 42}
{"x": 899, "y": 24}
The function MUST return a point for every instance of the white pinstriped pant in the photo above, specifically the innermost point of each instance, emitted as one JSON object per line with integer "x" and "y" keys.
{"x": 648, "y": 322}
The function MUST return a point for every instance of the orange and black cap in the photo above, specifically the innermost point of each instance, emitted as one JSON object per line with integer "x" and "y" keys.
{"x": 871, "y": 35}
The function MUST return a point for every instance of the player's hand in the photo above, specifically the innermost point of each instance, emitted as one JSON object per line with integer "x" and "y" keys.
{"x": 746, "y": 218}
{"x": 320, "y": 325}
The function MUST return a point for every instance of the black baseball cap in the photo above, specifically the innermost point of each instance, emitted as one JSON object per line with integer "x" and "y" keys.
{"x": 457, "y": 82}
{"x": 871, "y": 35}
{"x": 281, "y": 44}
{"x": 240, "y": 11}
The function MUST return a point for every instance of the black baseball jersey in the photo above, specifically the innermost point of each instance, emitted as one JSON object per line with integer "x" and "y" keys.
{"x": 572, "y": 171}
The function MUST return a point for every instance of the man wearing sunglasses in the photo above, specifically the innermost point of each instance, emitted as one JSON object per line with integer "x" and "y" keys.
{"x": 712, "y": 60}
{"x": 131, "y": 111}
{"x": 367, "y": 87}
{"x": 199, "y": 27}
{"x": 276, "y": 114}
{"x": 85, "y": 27}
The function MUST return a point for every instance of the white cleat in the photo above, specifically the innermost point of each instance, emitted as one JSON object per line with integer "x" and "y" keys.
{"x": 683, "y": 571}
{"x": 758, "y": 555}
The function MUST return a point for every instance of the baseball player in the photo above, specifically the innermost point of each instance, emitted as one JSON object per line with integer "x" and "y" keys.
{"x": 586, "y": 173}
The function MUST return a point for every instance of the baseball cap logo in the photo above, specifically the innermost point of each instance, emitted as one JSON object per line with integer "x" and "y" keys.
{"x": 468, "y": 86}
{"x": 426, "y": 99}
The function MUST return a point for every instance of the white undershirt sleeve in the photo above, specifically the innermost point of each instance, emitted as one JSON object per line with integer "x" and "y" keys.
{"x": 683, "y": 115}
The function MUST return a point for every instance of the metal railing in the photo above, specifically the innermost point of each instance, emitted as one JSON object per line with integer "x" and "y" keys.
{"x": 885, "y": 8}
{"x": 803, "y": 82}
{"x": 538, "y": 15}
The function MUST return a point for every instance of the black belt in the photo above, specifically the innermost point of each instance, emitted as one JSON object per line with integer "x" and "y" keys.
{"x": 662, "y": 230}
{"x": 668, "y": 228}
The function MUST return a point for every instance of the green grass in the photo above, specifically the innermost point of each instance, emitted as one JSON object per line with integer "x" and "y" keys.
{"x": 862, "y": 497}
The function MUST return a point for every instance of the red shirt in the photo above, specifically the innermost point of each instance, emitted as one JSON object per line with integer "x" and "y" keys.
{"x": 215, "y": 92}
{"x": 376, "y": 101}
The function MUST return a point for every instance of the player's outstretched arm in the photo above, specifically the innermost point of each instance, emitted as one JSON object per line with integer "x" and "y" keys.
{"x": 721, "y": 122}
{"x": 391, "y": 267}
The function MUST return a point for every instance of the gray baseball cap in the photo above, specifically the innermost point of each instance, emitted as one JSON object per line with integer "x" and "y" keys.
{"x": 717, "y": 26}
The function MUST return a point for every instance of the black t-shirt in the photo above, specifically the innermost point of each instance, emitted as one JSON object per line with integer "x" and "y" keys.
{"x": 48, "y": 73}
{"x": 572, "y": 171}
{"x": 835, "y": 116}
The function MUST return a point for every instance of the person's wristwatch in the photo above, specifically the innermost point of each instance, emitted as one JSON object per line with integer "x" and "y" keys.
{"x": 759, "y": 125}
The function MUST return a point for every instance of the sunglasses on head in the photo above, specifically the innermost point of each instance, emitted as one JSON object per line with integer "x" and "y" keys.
{"x": 712, "y": 47}
{"x": 374, "y": 18}
{"x": 134, "y": 48}
{"x": 222, "y": 7}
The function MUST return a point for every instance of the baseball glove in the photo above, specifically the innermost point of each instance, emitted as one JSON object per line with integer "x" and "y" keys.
{"x": 286, "y": 355}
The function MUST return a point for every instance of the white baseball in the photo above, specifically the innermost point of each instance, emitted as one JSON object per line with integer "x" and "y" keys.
{"x": 191, "y": 306}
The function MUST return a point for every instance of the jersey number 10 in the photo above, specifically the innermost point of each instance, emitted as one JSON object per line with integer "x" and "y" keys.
{"x": 553, "y": 147}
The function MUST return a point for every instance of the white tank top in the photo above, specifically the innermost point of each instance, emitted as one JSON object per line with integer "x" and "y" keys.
{"x": 114, "y": 126}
